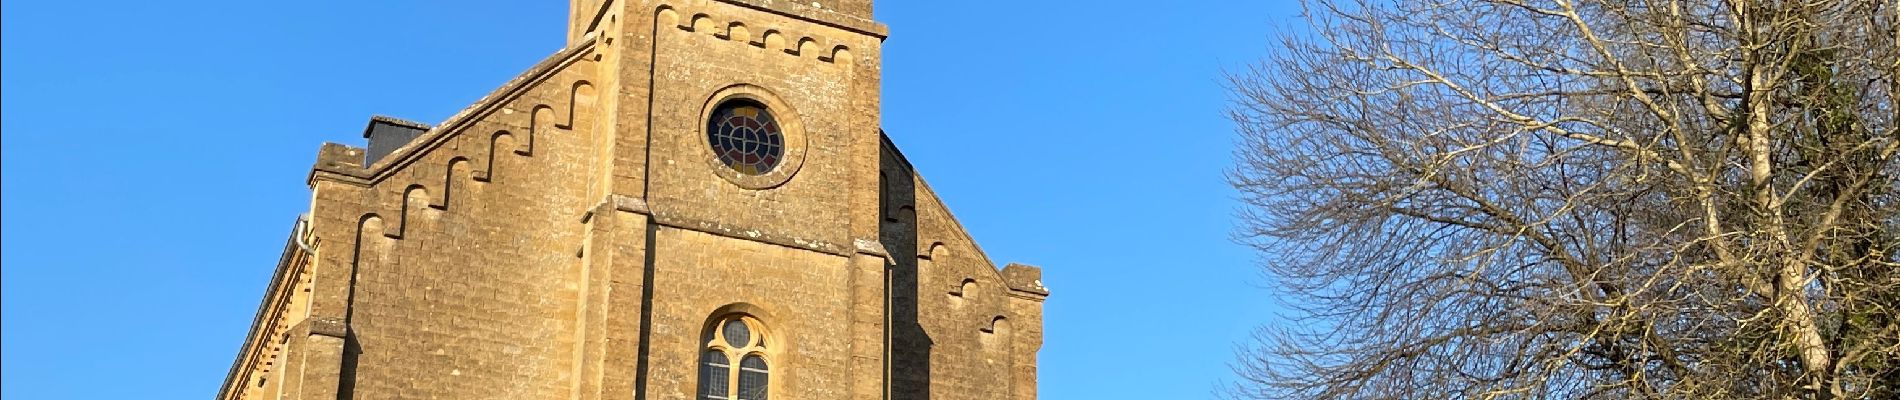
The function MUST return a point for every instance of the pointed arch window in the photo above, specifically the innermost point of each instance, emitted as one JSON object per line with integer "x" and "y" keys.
{"x": 720, "y": 378}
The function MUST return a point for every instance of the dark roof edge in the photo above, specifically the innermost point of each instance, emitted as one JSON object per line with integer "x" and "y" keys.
{"x": 231, "y": 386}
{"x": 892, "y": 147}
{"x": 956, "y": 223}
{"x": 384, "y": 119}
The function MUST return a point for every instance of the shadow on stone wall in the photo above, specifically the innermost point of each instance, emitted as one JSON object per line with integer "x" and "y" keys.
{"x": 346, "y": 379}
{"x": 910, "y": 344}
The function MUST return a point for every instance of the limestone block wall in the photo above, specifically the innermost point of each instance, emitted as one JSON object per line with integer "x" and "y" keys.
{"x": 800, "y": 296}
{"x": 962, "y": 329}
{"x": 571, "y": 235}
{"x": 710, "y": 51}
{"x": 453, "y": 262}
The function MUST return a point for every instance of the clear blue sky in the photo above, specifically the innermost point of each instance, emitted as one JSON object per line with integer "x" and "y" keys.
{"x": 155, "y": 153}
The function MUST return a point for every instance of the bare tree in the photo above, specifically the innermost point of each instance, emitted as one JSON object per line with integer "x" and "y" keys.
{"x": 1688, "y": 199}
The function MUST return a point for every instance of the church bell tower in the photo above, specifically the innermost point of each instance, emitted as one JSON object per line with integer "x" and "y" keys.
{"x": 693, "y": 199}
{"x": 746, "y": 141}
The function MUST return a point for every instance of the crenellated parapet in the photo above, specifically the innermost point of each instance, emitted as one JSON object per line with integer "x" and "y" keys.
{"x": 519, "y": 153}
{"x": 983, "y": 315}
{"x": 467, "y": 149}
{"x": 772, "y": 39}
{"x": 590, "y": 228}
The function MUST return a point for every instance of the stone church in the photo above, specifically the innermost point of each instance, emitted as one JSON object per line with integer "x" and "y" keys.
{"x": 691, "y": 200}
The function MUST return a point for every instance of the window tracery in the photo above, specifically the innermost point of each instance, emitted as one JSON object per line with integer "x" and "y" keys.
{"x": 720, "y": 378}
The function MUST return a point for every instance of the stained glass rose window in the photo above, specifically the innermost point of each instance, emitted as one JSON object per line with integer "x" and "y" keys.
{"x": 746, "y": 137}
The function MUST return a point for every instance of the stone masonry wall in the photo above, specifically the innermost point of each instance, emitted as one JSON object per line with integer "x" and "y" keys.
{"x": 572, "y": 237}
{"x": 453, "y": 261}
{"x": 953, "y": 310}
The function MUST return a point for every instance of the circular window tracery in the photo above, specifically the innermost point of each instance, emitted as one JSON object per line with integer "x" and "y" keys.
{"x": 738, "y": 335}
{"x": 734, "y": 364}
{"x": 746, "y": 137}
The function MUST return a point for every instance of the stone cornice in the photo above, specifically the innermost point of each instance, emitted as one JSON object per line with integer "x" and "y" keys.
{"x": 635, "y": 205}
{"x": 344, "y": 164}
{"x": 316, "y": 326}
{"x": 818, "y": 16}
{"x": 276, "y": 297}
{"x": 1025, "y": 281}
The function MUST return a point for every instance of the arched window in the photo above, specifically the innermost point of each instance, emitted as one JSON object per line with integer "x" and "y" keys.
{"x": 734, "y": 338}
{"x": 752, "y": 378}
{"x": 714, "y": 370}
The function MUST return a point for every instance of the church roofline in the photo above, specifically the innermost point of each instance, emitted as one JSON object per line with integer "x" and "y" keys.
{"x": 293, "y": 250}
{"x": 885, "y": 138}
{"x": 818, "y": 16}
{"x": 1023, "y": 280}
{"x": 333, "y": 161}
